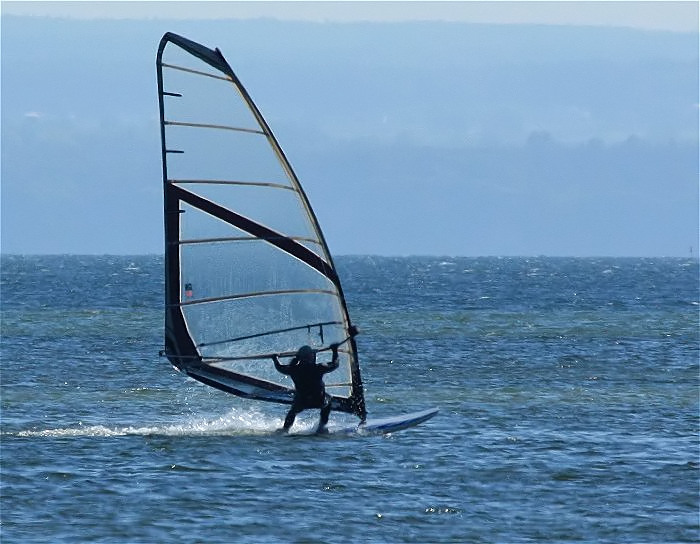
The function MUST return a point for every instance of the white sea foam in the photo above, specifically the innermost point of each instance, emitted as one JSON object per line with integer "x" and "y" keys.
{"x": 232, "y": 423}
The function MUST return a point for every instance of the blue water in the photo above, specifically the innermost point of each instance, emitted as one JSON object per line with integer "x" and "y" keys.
{"x": 568, "y": 391}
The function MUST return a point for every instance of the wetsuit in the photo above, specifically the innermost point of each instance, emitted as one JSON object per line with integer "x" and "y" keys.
{"x": 309, "y": 390}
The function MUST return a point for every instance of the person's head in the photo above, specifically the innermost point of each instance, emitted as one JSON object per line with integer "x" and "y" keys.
{"x": 306, "y": 354}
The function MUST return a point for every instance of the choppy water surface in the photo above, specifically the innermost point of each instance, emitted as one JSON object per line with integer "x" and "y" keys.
{"x": 568, "y": 391}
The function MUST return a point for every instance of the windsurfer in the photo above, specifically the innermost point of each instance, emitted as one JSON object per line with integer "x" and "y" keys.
{"x": 309, "y": 390}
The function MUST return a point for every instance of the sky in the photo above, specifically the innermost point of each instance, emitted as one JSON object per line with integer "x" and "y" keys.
{"x": 676, "y": 16}
{"x": 443, "y": 128}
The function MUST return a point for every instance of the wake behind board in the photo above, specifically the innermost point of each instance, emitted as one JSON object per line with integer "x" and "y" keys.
{"x": 384, "y": 425}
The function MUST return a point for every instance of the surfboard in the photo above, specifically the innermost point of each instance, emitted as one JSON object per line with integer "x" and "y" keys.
{"x": 386, "y": 425}
{"x": 377, "y": 426}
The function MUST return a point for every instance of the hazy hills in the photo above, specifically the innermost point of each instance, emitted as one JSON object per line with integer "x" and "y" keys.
{"x": 409, "y": 137}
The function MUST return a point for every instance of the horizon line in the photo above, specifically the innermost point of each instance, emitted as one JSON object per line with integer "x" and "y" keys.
{"x": 692, "y": 256}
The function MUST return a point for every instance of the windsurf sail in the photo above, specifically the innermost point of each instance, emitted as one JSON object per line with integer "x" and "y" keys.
{"x": 248, "y": 273}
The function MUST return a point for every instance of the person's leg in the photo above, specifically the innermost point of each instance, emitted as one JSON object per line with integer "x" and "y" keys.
{"x": 291, "y": 415}
{"x": 325, "y": 414}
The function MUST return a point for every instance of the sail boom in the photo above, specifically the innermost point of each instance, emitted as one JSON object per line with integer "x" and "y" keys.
{"x": 197, "y": 359}
{"x": 252, "y": 357}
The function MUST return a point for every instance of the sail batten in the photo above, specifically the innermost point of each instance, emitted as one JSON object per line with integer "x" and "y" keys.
{"x": 232, "y": 182}
{"x": 258, "y": 230}
{"x": 209, "y": 125}
{"x": 248, "y": 273}
{"x": 241, "y": 239}
{"x": 257, "y": 294}
{"x": 191, "y": 71}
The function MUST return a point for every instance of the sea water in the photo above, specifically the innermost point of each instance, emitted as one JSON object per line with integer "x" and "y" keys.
{"x": 567, "y": 388}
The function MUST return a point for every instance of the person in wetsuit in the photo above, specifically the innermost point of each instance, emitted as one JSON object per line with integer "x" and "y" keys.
{"x": 309, "y": 390}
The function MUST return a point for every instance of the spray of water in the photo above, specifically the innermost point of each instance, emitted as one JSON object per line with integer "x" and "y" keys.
{"x": 234, "y": 422}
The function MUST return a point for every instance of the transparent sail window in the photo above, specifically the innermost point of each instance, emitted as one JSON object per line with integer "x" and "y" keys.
{"x": 201, "y": 94}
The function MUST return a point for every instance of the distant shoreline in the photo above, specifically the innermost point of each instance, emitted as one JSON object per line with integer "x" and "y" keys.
{"x": 374, "y": 256}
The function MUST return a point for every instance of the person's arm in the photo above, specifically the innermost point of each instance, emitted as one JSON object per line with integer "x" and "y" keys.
{"x": 284, "y": 369}
{"x": 330, "y": 367}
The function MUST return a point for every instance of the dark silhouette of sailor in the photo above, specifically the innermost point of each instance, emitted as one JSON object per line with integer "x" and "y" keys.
{"x": 309, "y": 390}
